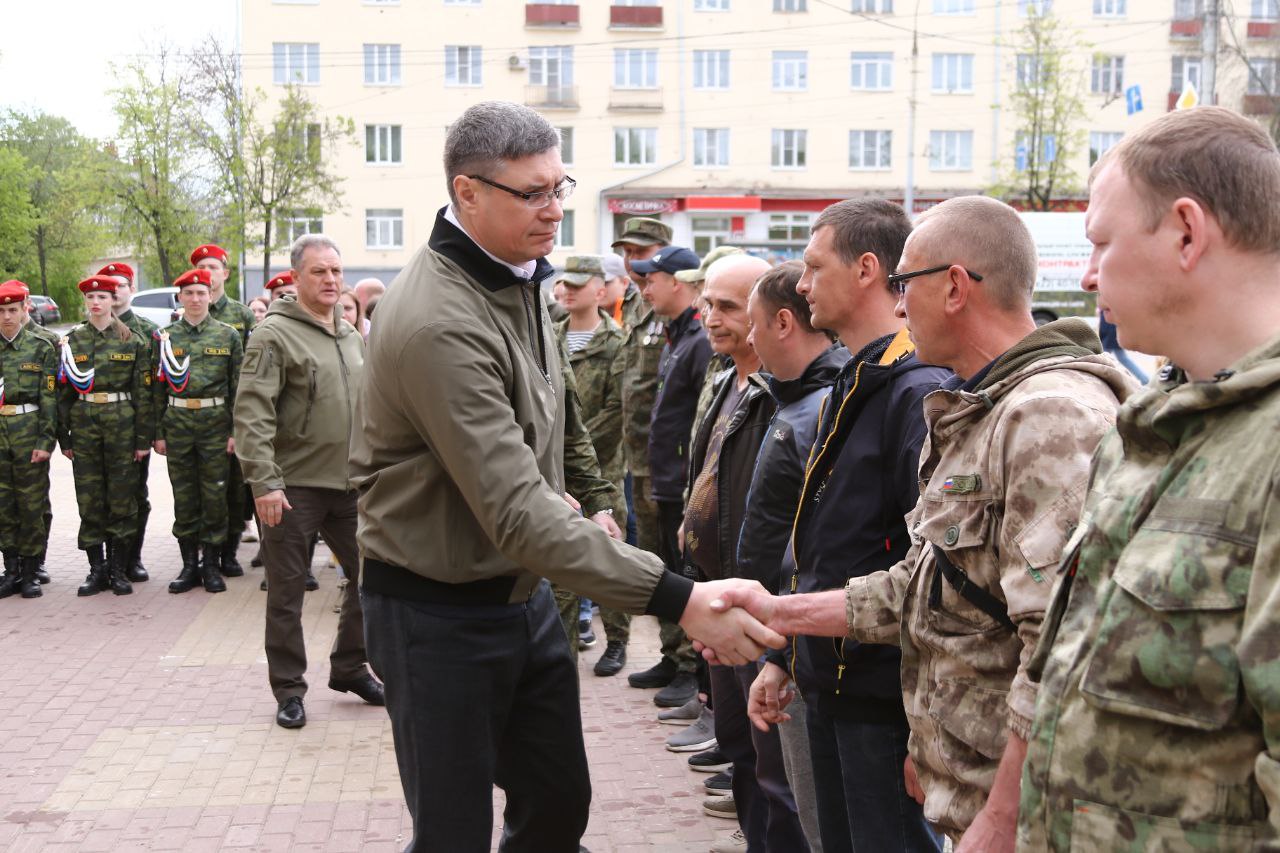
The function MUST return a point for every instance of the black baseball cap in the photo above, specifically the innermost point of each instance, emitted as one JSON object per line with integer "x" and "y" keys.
{"x": 672, "y": 259}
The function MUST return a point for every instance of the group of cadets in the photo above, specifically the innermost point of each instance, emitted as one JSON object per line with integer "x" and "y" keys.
{"x": 113, "y": 389}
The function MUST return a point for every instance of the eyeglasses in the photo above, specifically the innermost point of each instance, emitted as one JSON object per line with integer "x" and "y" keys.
{"x": 898, "y": 281}
{"x": 536, "y": 200}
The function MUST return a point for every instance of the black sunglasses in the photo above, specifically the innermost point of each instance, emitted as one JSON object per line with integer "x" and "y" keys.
{"x": 898, "y": 281}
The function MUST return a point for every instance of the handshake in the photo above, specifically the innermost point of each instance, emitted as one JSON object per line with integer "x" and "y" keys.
{"x": 728, "y": 620}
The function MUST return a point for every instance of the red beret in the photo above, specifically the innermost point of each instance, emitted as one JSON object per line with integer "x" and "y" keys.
{"x": 210, "y": 251}
{"x": 13, "y": 291}
{"x": 122, "y": 270}
{"x": 284, "y": 278}
{"x": 193, "y": 277}
{"x": 99, "y": 283}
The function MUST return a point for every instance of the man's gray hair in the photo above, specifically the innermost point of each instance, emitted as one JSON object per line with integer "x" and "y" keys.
{"x": 489, "y": 134}
{"x": 309, "y": 241}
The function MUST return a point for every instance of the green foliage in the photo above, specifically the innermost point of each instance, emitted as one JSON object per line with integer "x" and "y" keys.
{"x": 17, "y": 214}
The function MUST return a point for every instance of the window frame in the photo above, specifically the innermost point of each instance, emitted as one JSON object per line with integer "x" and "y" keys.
{"x": 453, "y": 54}
{"x": 883, "y": 150}
{"x": 721, "y": 139}
{"x": 880, "y": 62}
{"x": 704, "y": 61}
{"x": 378, "y": 216}
{"x": 1095, "y": 140}
{"x": 937, "y": 140}
{"x": 789, "y": 63}
{"x": 793, "y": 139}
{"x": 645, "y": 138}
{"x": 1106, "y": 67}
{"x": 382, "y": 59}
{"x": 394, "y": 143}
{"x": 962, "y": 66}
{"x": 282, "y": 71}
{"x": 624, "y": 59}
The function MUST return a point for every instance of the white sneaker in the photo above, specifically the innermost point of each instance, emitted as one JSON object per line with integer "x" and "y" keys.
{"x": 735, "y": 842}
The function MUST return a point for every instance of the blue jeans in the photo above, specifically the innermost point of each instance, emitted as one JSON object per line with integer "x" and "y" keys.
{"x": 863, "y": 805}
{"x": 584, "y": 608}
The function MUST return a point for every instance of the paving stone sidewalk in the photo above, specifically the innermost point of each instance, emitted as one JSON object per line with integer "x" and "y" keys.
{"x": 144, "y": 722}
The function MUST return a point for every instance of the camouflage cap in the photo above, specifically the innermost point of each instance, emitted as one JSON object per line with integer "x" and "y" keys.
{"x": 700, "y": 274}
{"x": 643, "y": 231}
{"x": 580, "y": 269}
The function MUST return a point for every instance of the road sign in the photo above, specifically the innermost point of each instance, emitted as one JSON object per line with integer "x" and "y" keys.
{"x": 1133, "y": 99}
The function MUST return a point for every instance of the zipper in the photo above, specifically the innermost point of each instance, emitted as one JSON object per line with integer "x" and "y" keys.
{"x": 535, "y": 328}
{"x": 311, "y": 401}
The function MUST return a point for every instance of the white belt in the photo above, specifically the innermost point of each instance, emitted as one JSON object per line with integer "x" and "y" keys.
{"x": 106, "y": 397}
{"x": 18, "y": 409}
{"x": 196, "y": 402}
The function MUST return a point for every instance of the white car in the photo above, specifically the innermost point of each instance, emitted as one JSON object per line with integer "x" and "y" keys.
{"x": 156, "y": 304}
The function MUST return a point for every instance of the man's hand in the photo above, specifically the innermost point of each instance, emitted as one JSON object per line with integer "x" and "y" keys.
{"x": 231, "y": 446}
{"x": 139, "y": 455}
{"x": 736, "y": 637}
{"x": 38, "y": 456}
{"x": 271, "y": 507}
{"x": 605, "y": 520}
{"x": 995, "y": 829}
{"x": 572, "y": 501}
{"x": 755, "y": 599}
{"x": 680, "y": 537}
{"x": 161, "y": 446}
{"x": 770, "y": 693}
{"x": 914, "y": 791}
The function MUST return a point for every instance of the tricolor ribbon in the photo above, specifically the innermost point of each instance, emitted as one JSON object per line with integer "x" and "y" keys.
{"x": 81, "y": 380}
{"x": 173, "y": 372}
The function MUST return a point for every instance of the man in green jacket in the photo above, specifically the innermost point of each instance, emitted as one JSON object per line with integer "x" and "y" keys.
{"x": 293, "y": 416}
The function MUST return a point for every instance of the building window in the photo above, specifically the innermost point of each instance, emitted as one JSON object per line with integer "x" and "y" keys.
{"x": 790, "y": 5}
{"x": 1039, "y": 8}
{"x": 951, "y": 150}
{"x": 711, "y": 69}
{"x": 384, "y": 228}
{"x": 382, "y": 144}
{"x": 953, "y": 73}
{"x": 953, "y": 7}
{"x": 1186, "y": 10}
{"x": 551, "y": 66}
{"x": 305, "y": 140}
{"x": 1025, "y": 159}
{"x": 462, "y": 65}
{"x": 870, "y": 149}
{"x": 1264, "y": 10}
{"x": 566, "y": 145}
{"x": 1030, "y": 74}
{"x": 635, "y": 68}
{"x": 382, "y": 65}
{"x": 635, "y": 146}
{"x": 1109, "y": 8}
{"x": 872, "y": 7}
{"x": 871, "y": 72}
{"x": 295, "y": 62}
{"x": 1262, "y": 76}
{"x": 1186, "y": 69}
{"x": 790, "y": 227}
{"x": 789, "y": 149}
{"x": 292, "y": 224}
{"x": 1100, "y": 142}
{"x": 711, "y": 5}
{"x": 711, "y": 146}
{"x": 564, "y": 234}
{"x": 709, "y": 232}
{"x": 1107, "y": 76}
{"x": 790, "y": 70}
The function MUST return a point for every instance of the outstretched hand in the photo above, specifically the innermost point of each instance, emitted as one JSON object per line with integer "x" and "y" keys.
{"x": 735, "y": 635}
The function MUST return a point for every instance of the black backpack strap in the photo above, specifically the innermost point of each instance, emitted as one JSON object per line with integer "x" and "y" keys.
{"x": 966, "y": 589}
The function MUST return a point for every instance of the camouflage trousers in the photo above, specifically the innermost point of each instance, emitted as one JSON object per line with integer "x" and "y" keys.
{"x": 676, "y": 646}
{"x": 24, "y": 488}
{"x": 106, "y": 476}
{"x": 199, "y": 468}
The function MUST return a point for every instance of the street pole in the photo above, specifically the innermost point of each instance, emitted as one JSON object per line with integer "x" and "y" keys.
{"x": 909, "y": 194}
{"x": 1209, "y": 48}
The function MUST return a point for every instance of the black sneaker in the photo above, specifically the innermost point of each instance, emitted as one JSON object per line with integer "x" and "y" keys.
{"x": 613, "y": 659}
{"x": 681, "y": 689}
{"x": 658, "y": 675}
{"x": 711, "y": 761}
{"x": 719, "y": 785}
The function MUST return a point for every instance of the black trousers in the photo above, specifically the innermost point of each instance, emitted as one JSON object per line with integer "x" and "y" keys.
{"x": 482, "y": 696}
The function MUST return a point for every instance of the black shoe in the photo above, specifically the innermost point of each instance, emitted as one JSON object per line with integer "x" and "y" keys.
{"x": 291, "y": 715}
{"x": 711, "y": 761}
{"x": 366, "y": 687}
{"x": 96, "y": 581}
{"x": 230, "y": 566}
{"x": 189, "y": 577}
{"x": 263, "y": 586}
{"x": 681, "y": 689}
{"x": 658, "y": 675}
{"x": 28, "y": 585}
{"x": 118, "y": 552}
{"x": 41, "y": 575}
{"x": 256, "y": 562}
{"x": 312, "y": 583}
{"x": 11, "y": 580}
{"x": 613, "y": 659}
{"x": 137, "y": 573}
{"x": 212, "y": 568}
{"x": 134, "y": 570}
{"x": 719, "y": 785}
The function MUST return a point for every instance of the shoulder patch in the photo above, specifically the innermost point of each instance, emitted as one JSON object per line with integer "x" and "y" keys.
{"x": 251, "y": 359}
{"x": 81, "y": 359}
{"x": 50, "y": 383}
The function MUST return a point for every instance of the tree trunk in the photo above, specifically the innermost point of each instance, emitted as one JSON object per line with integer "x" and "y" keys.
{"x": 266, "y": 249}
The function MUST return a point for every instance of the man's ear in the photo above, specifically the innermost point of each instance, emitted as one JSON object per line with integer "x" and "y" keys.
{"x": 868, "y": 269}
{"x": 959, "y": 288}
{"x": 466, "y": 192}
{"x": 1195, "y": 230}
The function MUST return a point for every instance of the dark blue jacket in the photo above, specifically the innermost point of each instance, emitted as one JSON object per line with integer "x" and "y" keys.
{"x": 862, "y": 479}
{"x": 681, "y": 371}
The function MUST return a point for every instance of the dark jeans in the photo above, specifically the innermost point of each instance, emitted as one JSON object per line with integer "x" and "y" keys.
{"x": 766, "y": 809}
{"x": 676, "y": 646}
{"x": 863, "y": 803}
{"x": 482, "y": 696}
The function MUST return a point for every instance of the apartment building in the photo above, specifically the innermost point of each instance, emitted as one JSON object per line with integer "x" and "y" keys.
{"x": 733, "y": 120}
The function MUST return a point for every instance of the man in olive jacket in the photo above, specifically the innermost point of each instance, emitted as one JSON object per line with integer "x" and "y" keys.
{"x": 293, "y": 416}
{"x": 457, "y": 454}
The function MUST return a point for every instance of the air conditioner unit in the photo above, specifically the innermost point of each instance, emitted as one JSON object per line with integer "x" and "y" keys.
{"x": 516, "y": 62}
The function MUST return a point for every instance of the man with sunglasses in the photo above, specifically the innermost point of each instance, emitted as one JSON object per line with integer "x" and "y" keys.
{"x": 1002, "y": 474}
{"x": 459, "y": 460}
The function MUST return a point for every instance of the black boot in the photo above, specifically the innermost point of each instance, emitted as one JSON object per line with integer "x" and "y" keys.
{"x": 136, "y": 572}
{"x": 12, "y": 577}
{"x": 189, "y": 577}
{"x": 230, "y": 565}
{"x": 210, "y": 568}
{"x": 97, "y": 580}
{"x": 311, "y": 583}
{"x": 118, "y": 554}
{"x": 29, "y": 585}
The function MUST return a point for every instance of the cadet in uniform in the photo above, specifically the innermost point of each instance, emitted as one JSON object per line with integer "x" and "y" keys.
{"x": 55, "y": 340}
{"x": 107, "y": 424}
{"x": 121, "y": 306}
{"x": 28, "y": 419}
{"x": 281, "y": 285}
{"x": 240, "y": 317}
{"x": 198, "y": 366}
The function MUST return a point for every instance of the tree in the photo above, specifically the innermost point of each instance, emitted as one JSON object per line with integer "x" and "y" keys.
{"x": 1048, "y": 100}
{"x": 17, "y": 214}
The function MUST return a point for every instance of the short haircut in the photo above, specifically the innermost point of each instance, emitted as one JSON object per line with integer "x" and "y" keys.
{"x": 491, "y": 133}
{"x": 987, "y": 236}
{"x": 776, "y": 289}
{"x": 309, "y": 241}
{"x": 1223, "y": 160}
{"x": 862, "y": 225}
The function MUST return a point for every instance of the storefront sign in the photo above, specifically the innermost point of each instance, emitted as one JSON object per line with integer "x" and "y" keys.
{"x": 643, "y": 206}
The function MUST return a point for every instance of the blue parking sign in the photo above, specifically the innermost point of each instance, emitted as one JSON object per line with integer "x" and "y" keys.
{"x": 1133, "y": 99}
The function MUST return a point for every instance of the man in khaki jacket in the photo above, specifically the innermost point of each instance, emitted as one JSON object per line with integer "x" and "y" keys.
{"x": 1003, "y": 472}
{"x": 458, "y": 457}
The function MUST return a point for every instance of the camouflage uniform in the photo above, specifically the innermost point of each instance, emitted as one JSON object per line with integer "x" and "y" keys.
{"x": 240, "y": 317}
{"x": 1003, "y": 470}
{"x": 1158, "y": 723}
{"x": 145, "y": 329}
{"x": 55, "y": 340}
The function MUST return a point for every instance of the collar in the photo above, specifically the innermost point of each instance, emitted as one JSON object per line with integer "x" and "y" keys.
{"x": 13, "y": 341}
{"x": 195, "y": 326}
{"x": 955, "y": 383}
{"x": 126, "y": 315}
{"x": 450, "y": 239}
{"x": 684, "y": 323}
{"x": 221, "y": 301}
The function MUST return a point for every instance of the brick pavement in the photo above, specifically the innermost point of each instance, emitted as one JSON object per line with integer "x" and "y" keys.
{"x": 144, "y": 722}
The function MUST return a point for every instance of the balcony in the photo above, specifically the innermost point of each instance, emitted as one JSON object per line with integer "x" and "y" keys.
{"x": 1263, "y": 29}
{"x": 1186, "y": 29}
{"x": 635, "y": 100}
{"x": 555, "y": 97}
{"x": 633, "y": 17}
{"x": 550, "y": 15}
{"x": 1258, "y": 105}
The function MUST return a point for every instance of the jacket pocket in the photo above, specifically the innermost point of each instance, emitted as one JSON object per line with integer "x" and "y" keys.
{"x": 1096, "y": 828}
{"x": 973, "y": 727}
{"x": 1165, "y": 648}
{"x": 961, "y": 528}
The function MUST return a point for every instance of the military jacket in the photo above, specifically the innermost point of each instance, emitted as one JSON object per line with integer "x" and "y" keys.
{"x": 235, "y": 314}
{"x": 118, "y": 367}
{"x": 146, "y": 329}
{"x": 1158, "y": 724}
{"x": 215, "y": 354}
{"x": 43, "y": 333}
{"x": 597, "y": 372}
{"x": 642, "y": 351}
{"x": 29, "y": 365}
